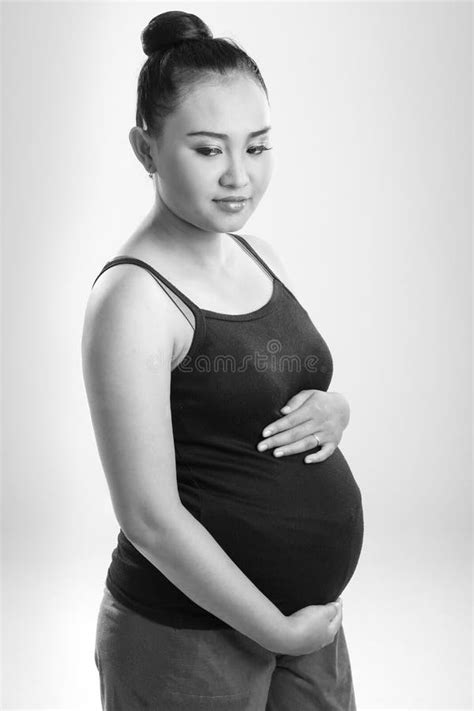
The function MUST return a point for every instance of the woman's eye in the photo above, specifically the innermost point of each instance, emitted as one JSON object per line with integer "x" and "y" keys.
{"x": 206, "y": 150}
{"x": 203, "y": 153}
{"x": 261, "y": 149}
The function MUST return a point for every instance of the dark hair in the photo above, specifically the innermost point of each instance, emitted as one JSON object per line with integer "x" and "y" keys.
{"x": 181, "y": 51}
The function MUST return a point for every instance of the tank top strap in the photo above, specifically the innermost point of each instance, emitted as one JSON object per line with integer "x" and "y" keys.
{"x": 254, "y": 254}
{"x": 125, "y": 259}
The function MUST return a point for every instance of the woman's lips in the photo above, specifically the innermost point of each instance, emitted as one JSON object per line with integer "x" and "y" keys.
{"x": 231, "y": 205}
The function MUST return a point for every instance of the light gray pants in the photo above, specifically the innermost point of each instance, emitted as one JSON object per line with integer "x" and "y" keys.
{"x": 143, "y": 664}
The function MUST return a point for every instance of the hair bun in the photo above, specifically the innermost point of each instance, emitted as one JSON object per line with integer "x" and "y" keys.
{"x": 170, "y": 28}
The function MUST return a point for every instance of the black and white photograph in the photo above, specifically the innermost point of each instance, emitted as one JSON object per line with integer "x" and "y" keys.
{"x": 237, "y": 356}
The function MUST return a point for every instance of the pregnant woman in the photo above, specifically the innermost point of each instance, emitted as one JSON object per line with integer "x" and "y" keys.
{"x": 223, "y": 591}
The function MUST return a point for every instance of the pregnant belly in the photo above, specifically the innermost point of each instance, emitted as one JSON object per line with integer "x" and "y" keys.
{"x": 297, "y": 533}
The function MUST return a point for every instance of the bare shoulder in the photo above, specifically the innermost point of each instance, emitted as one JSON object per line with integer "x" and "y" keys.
{"x": 270, "y": 255}
{"x": 123, "y": 305}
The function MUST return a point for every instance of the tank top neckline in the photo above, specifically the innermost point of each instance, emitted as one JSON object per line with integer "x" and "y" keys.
{"x": 249, "y": 316}
{"x": 203, "y": 314}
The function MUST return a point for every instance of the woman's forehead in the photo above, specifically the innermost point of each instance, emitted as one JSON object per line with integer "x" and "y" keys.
{"x": 234, "y": 108}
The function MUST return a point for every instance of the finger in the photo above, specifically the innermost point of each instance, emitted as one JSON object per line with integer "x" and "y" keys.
{"x": 335, "y": 622}
{"x": 296, "y": 401}
{"x": 334, "y": 609}
{"x": 326, "y": 450}
{"x": 302, "y": 445}
{"x": 300, "y": 435}
{"x": 332, "y": 631}
{"x": 298, "y": 415}
{"x": 284, "y": 423}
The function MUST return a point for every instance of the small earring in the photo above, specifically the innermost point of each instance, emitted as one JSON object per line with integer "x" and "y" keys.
{"x": 150, "y": 175}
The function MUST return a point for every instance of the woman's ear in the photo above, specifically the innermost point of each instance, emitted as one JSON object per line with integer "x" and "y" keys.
{"x": 141, "y": 145}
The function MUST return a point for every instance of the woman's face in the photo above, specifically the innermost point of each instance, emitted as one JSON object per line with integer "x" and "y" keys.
{"x": 195, "y": 171}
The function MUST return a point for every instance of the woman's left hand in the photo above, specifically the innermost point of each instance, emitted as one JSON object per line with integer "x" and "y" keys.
{"x": 325, "y": 414}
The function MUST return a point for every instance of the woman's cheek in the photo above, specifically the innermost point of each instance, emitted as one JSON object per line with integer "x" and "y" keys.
{"x": 187, "y": 184}
{"x": 261, "y": 183}
{"x": 196, "y": 176}
{"x": 267, "y": 170}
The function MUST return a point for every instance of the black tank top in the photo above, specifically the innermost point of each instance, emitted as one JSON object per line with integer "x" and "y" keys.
{"x": 294, "y": 529}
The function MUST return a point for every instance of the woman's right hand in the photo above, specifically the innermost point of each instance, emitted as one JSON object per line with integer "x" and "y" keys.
{"x": 311, "y": 628}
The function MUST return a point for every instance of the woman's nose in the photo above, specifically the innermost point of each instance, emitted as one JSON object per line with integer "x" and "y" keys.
{"x": 235, "y": 174}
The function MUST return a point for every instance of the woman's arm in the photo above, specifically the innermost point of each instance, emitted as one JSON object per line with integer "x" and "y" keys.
{"x": 127, "y": 353}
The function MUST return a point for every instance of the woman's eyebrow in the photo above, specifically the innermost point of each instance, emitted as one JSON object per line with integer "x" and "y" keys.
{"x": 212, "y": 134}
